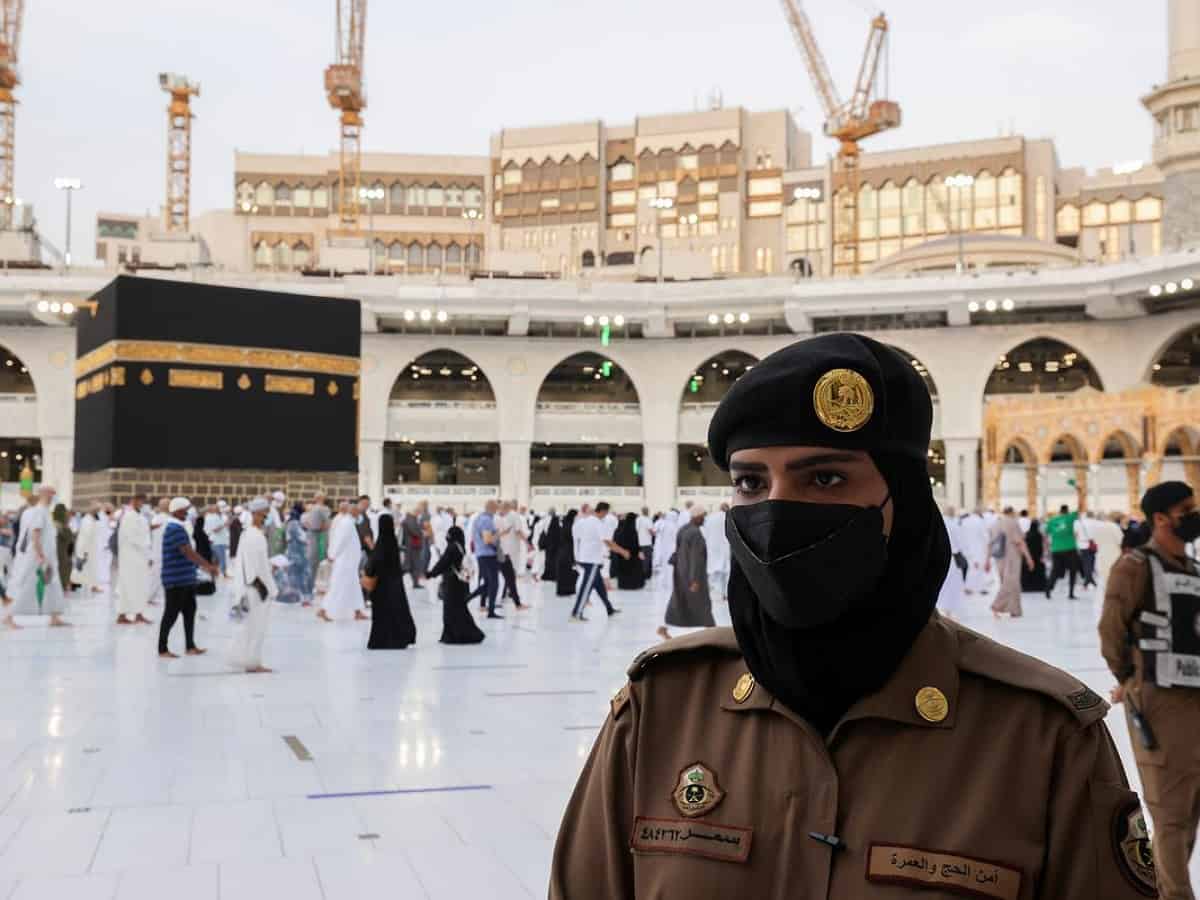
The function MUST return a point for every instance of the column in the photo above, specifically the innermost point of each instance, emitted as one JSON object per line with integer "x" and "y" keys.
{"x": 1154, "y": 466}
{"x": 58, "y": 465}
{"x": 962, "y": 472}
{"x": 370, "y": 469}
{"x": 514, "y": 471}
{"x": 1081, "y": 486}
{"x": 661, "y": 478}
{"x": 1133, "y": 487}
{"x": 1031, "y": 489}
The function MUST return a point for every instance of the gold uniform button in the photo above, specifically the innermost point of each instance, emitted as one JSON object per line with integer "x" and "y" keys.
{"x": 743, "y": 688}
{"x": 932, "y": 704}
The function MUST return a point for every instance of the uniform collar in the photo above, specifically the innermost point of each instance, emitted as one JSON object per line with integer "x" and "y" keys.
{"x": 931, "y": 662}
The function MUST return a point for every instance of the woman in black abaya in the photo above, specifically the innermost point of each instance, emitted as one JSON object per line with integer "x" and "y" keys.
{"x": 392, "y": 626}
{"x": 564, "y": 567}
{"x": 1035, "y": 579}
{"x": 458, "y": 625}
{"x": 629, "y": 573}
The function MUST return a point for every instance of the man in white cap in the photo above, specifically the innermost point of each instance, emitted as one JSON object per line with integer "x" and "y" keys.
{"x": 216, "y": 524}
{"x": 179, "y": 562}
{"x": 34, "y": 585}
{"x": 274, "y": 524}
{"x": 254, "y": 584}
{"x": 133, "y": 576}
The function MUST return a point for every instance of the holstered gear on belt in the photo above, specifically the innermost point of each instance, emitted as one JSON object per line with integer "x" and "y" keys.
{"x": 1169, "y": 628}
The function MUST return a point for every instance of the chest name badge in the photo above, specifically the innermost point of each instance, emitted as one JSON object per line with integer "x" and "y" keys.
{"x": 697, "y": 792}
{"x": 949, "y": 872}
{"x": 728, "y": 843}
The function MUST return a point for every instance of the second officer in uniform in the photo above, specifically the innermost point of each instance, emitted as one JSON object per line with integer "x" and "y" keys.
{"x": 842, "y": 740}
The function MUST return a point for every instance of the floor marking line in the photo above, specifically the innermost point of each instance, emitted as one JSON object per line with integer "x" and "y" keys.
{"x": 297, "y": 747}
{"x": 398, "y": 791}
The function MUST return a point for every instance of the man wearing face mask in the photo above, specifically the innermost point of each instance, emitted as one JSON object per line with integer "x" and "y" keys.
{"x": 1149, "y": 637}
{"x": 842, "y": 740}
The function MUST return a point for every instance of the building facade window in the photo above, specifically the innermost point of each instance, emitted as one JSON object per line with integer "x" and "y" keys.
{"x": 416, "y": 196}
{"x": 889, "y": 211}
{"x": 762, "y": 208}
{"x": 396, "y": 198}
{"x": 512, "y": 176}
{"x": 262, "y": 254}
{"x": 264, "y": 195}
{"x": 765, "y": 187}
{"x": 764, "y": 260}
{"x": 1009, "y": 191}
{"x": 473, "y": 198}
{"x": 622, "y": 199}
{"x": 621, "y": 171}
{"x": 984, "y": 218}
{"x": 433, "y": 256}
{"x": 435, "y": 198}
{"x": 416, "y": 256}
{"x": 320, "y": 197}
{"x": 302, "y": 198}
{"x": 301, "y": 256}
{"x": 1041, "y": 204}
{"x": 913, "y": 207}
{"x": 1067, "y": 220}
{"x": 1148, "y": 209}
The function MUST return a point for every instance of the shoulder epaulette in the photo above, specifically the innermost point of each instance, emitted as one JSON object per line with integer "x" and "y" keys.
{"x": 713, "y": 640}
{"x": 983, "y": 656}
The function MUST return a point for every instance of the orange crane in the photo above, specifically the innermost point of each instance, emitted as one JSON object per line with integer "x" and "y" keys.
{"x": 179, "y": 149}
{"x": 344, "y": 87}
{"x": 10, "y": 39}
{"x": 862, "y": 116}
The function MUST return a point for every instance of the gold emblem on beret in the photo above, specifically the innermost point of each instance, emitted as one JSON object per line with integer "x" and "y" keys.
{"x": 843, "y": 400}
{"x": 743, "y": 688}
{"x": 932, "y": 704}
{"x": 697, "y": 792}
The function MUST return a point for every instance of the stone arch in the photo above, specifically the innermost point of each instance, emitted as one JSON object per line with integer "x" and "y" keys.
{"x": 442, "y": 371}
{"x": 1176, "y": 361}
{"x": 921, "y": 369}
{"x": 1117, "y": 439}
{"x": 589, "y": 364}
{"x": 1072, "y": 444}
{"x": 1042, "y": 364}
{"x": 1017, "y": 451}
{"x": 1024, "y": 449}
{"x": 715, "y": 375}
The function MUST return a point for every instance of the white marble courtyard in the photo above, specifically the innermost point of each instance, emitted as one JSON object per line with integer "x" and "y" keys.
{"x": 125, "y": 777}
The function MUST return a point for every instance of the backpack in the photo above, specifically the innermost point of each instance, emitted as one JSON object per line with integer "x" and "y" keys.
{"x": 999, "y": 546}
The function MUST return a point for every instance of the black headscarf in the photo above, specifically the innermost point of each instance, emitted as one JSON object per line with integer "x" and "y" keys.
{"x": 385, "y": 556}
{"x": 296, "y": 513}
{"x": 820, "y": 672}
{"x": 626, "y": 535}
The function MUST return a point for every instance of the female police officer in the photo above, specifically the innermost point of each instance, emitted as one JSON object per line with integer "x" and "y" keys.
{"x": 842, "y": 740}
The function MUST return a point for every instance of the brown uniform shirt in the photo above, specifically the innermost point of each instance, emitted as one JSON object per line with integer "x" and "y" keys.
{"x": 1002, "y": 782}
{"x": 1173, "y": 713}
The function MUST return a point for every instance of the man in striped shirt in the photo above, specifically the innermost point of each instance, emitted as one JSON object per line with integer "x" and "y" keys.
{"x": 179, "y": 562}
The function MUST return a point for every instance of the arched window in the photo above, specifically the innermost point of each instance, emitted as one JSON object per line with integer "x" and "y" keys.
{"x": 244, "y": 194}
{"x": 320, "y": 197}
{"x": 396, "y": 197}
{"x": 1008, "y": 199}
{"x": 1095, "y": 213}
{"x": 889, "y": 210}
{"x": 913, "y": 204}
{"x": 1120, "y": 212}
{"x": 435, "y": 197}
{"x": 588, "y": 260}
{"x": 283, "y": 256}
{"x": 454, "y": 198}
{"x": 1066, "y": 221}
{"x": 416, "y": 255}
{"x": 283, "y": 194}
{"x": 264, "y": 194}
{"x": 1148, "y": 209}
{"x": 433, "y": 257}
{"x": 396, "y": 252}
{"x": 454, "y": 255}
{"x": 985, "y": 201}
{"x": 473, "y": 198}
{"x": 473, "y": 255}
{"x": 301, "y": 256}
{"x": 621, "y": 171}
{"x": 416, "y": 196}
{"x": 302, "y": 197}
{"x": 868, "y": 212}
{"x": 937, "y": 206}
{"x": 262, "y": 254}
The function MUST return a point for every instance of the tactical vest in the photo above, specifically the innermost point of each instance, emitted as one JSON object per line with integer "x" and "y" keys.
{"x": 1170, "y": 627}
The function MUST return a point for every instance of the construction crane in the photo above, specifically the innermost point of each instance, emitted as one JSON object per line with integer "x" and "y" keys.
{"x": 10, "y": 39}
{"x": 344, "y": 87}
{"x": 849, "y": 122}
{"x": 179, "y": 149}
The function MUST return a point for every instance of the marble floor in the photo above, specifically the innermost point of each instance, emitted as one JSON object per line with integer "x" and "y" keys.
{"x": 436, "y": 772}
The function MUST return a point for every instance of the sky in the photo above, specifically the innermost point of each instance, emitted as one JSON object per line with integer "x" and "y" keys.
{"x": 441, "y": 77}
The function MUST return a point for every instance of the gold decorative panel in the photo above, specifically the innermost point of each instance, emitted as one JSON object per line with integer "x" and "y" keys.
{"x": 199, "y": 379}
{"x": 215, "y": 355}
{"x": 290, "y": 384}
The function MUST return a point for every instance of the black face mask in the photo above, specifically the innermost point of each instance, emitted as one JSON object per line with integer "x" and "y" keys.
{"x": 809, "y": 563}
{"x": 1187, "y": 529}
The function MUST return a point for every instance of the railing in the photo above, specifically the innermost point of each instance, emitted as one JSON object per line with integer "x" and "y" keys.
{"x": 620, "y": 409}
{"x": 598, "y": 491}
{"x": 706, "y": 493}
{"x": 421, "y": 491}
{"x": 18, "y": 398}
{"x": 443, "y": 404}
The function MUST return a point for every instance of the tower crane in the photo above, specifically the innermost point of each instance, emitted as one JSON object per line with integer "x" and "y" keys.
{"x": 852, "y": 121}
{"x": 344, "y": 87}
{"x": 10, "y": 39}
{"x": 179, "y": 149}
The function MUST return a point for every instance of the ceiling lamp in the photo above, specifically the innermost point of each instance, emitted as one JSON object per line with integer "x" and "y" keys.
{"x": 1187, "y": 284}
{"x": 426, "y": 315}
{"x": 619, "y": 321}
{"x": 1170, "y": 287}
{"x": 744, "y": 317}
{"x": 990, "y": 306}
{"x": 442, "y": 315}
{"x": 728, "y": 319}
{"x": 589, "y": 320}
{"x": 973, "y": 306}
{"x": 713, "y": 319}
{"x": 1008, "y": 305}
{"x": 1155, "y": 290}
{"x": 409, "y": 315}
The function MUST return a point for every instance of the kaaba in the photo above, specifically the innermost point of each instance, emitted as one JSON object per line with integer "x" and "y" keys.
{"x": 214, "y": 392}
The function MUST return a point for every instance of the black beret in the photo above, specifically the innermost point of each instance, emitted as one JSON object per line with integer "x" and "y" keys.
{"x": 1162, "y": 497}
{"x": 834, "y": 390}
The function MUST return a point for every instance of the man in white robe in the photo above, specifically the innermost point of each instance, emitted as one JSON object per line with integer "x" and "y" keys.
{"x": 718, "y": 550}
{"x": 950, "y": 602}
{"x": 37, "y": 555}
{"x": 85, "y": 572}
{"x": 104, "y": 557}
{"x": 345, "y": 551}
{"x": 975, "y": 546}
{"x": 133, "y": 572}
{"x": 253, "y": 570}
{"x": 158, "y": 524}
{"x": 664, "y": 548}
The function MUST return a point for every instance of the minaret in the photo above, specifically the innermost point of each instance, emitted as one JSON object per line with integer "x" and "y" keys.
{"x": 1175, "y": 106}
